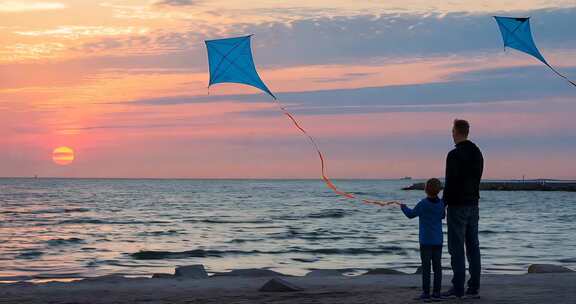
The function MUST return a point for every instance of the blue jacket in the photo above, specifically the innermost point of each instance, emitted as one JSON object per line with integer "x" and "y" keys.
{"x": 430, "y": 213}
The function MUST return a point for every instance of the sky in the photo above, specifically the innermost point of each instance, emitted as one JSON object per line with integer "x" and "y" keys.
{"x": 124, "y": 84}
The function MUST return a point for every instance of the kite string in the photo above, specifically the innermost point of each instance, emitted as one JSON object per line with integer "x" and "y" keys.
{"x": 558, "y": 73}
{"x": 325, "y": 177}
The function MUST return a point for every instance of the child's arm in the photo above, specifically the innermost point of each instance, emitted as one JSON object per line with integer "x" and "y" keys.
{"x": 411, "y": 213}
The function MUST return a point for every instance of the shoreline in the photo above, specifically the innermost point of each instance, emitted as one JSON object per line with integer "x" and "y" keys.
{"x": 323, "y": 287}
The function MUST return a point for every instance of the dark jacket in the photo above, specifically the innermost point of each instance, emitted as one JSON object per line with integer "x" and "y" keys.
{"x": 464, "y": 166}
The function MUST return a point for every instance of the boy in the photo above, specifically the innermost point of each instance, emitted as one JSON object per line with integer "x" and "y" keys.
{"x": 430, "y": 211}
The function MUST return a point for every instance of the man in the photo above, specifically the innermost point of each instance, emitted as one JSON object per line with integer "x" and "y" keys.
{"x": 464, "y": 166}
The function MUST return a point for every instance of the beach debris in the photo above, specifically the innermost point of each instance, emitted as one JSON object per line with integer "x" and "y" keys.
{"x": 324, "y": 273}
{"x": 548, "y": 268}
{"x": 163, "y": 276}
{"x": 111, "y": 278}
{"x": 279, "y": 285}
{"x": 250, "y": 273}
{"x": 191, "y": 272}
{"x": 23, "y": 284}
{"x": 516, "y": 34}
{"x": 377, "y": 271}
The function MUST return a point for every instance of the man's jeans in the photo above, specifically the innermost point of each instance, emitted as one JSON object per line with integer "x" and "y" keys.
{"x": 431, "y": 255}
{"x": 463, "y": 231}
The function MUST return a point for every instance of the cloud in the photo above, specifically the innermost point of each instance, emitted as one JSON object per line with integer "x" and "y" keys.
{"x": 74, "y": 32}
{"x": 30, "y": 51}
{"x": 16, "y": 7}
{"x": 341, "y": 39}
{"x": 496, "y": 86}
{"x": 177, "y": 2}
{"x": 344, "y": 77}
{"x": 336, "y": 40}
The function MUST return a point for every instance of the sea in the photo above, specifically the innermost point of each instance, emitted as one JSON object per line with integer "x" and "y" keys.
{"x": 67, "y": 229}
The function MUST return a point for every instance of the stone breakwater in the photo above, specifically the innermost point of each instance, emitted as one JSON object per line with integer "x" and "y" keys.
{"x": 516, "y": 186}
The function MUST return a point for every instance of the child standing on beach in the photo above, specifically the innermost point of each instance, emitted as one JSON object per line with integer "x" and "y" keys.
{"x": 430, "y": 211}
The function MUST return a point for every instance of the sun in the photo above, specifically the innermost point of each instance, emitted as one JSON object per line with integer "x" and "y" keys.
{"x": 63, "y": 156}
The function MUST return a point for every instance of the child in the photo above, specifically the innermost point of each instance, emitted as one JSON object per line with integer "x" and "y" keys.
{"x": 431, "y": 212}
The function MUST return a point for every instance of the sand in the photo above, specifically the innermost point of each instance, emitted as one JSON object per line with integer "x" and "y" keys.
{"x": 529, "y": 288}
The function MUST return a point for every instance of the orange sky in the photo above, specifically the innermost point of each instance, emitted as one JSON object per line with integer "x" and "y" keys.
{"x": 123, "y": 83}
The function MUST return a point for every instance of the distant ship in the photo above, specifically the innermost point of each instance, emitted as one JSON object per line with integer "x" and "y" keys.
{"x": 406, "y": 178}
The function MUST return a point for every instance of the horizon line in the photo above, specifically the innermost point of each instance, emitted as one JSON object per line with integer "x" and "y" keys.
{"x": 273, "y": 178}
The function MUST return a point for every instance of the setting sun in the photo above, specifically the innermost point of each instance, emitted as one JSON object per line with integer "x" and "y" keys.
{"x": 63, "y": 156}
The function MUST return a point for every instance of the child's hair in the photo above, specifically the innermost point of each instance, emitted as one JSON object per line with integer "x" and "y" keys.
{"x": 433, "y": 186}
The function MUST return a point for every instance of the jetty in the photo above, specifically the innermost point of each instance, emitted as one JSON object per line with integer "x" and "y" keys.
{"x": 528, "y": 185}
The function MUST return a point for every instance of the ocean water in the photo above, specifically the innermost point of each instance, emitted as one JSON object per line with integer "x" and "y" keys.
{"x": 75, "y": 228}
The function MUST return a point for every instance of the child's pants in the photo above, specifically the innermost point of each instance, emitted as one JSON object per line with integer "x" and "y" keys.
{"x": 431, "y": 254}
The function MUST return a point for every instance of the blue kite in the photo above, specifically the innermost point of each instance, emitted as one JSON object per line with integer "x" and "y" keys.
{"x": 230, "y": 60}
{"x": 517, "y": 35}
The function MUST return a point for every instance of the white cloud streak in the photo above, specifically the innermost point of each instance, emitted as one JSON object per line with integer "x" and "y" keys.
{"x": 16, "y": 7}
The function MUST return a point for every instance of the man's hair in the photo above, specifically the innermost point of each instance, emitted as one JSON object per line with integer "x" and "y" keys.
{"x": 433, "y": 186}
{"x": 462, "y": 127}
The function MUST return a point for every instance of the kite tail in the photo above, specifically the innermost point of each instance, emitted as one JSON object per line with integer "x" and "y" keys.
{"x": 325, "y": 177}
{"x": 558, "y": 73}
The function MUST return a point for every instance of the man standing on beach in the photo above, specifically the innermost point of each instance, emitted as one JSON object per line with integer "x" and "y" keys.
{"x": 464, "y": 166}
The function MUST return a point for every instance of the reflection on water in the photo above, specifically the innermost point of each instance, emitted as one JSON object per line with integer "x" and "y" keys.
{"x": 57, "y": 228}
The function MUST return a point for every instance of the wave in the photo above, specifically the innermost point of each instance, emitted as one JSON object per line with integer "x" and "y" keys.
{"x": 304, "y": 260}
{"x": 201, "y": 253}
{"x": 158, "y": 233}
{"x": 287, "y": 217}
{"x": 160, "y": 255}
{"x": 237, "y": 241}
{"x": 221, "y": 221}
{"x": 60, "y": 210}
{"x": 48, "y": 211}
{"x": 29, "y": 254}
{"x": 330, "y": 213}
{"x": 352, "y": 251}
{"x": 63, "y": 242}
{"x": 106, "y": 222}
{"x": 318, "y": 235}
{"x": 488, "y": 231}
{"x": 82, "y": 221}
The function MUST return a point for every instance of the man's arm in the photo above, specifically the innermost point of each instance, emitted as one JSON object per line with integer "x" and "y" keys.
{"x": 451, "y": 176}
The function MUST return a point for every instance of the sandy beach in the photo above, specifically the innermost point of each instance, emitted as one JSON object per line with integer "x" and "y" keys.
{"x": 528, "y": 288}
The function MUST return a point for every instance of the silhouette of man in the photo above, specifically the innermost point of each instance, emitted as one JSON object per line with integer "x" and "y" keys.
{"x": 464, "y": 166}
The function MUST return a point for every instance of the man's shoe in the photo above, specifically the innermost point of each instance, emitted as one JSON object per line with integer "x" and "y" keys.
{"x": 472, "y": 294}
{"x": 451, "y": 294}
{"x": 436, "y": 297}
{"x": 423, "y": 297}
